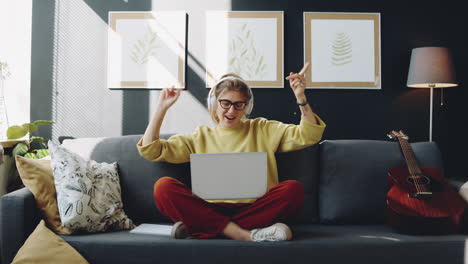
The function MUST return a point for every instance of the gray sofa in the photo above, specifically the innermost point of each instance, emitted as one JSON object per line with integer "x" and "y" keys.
{"x": 342, "y": 222}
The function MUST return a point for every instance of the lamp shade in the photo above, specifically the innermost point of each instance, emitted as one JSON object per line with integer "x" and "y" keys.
{"x": 431, "y": 67}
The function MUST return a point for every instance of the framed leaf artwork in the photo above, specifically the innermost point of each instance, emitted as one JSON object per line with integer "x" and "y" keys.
{"x": 343, "y": 49}
{"x": 249, "y": 44}
{"x": 146, "y": 50}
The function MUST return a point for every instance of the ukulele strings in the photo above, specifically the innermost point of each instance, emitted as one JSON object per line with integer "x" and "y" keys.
{"x": 411, "y": 165}
{"x": 419, "y": 182}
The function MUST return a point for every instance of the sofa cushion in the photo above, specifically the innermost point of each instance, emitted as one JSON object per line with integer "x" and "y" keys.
{"x": 138, "y": 175}
{"x": 353, "y": 177}
{"x": 302, "y": 165}
{"x": 88, "y": 192}
{"x": 36, "y": 175}
{"x": 43, "y": 247}
{"x": 311, "y": 244}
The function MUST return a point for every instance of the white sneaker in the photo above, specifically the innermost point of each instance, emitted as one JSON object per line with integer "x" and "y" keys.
{"x": 178, "y": 231}
{"x": 276, "y": 232}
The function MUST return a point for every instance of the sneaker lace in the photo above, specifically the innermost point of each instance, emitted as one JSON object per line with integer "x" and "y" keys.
{"x": 266, "y": 233}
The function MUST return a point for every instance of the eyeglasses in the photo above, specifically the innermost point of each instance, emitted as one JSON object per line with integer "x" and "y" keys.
{"x": 226, "y": 104}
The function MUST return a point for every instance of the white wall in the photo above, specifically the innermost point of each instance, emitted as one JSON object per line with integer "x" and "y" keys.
{"x": 82, "y": 104}
{"x": 188, "y": 112}
{"x": 15, "y": 49}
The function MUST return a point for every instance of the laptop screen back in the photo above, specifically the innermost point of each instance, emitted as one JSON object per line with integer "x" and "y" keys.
{"x": 223, "y": 176}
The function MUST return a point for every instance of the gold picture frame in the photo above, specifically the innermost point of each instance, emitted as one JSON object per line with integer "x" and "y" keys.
{"x": 343, "y": 49}
{"x": 146, "y": 50}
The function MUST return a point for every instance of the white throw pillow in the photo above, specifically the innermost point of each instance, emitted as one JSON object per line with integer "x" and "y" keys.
{"x": 88, "y": 193}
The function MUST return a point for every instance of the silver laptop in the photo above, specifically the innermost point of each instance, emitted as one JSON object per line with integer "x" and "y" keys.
{"x": 223, "y": 176}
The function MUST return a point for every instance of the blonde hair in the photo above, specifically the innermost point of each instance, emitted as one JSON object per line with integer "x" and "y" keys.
{"x": 231, "y": 84}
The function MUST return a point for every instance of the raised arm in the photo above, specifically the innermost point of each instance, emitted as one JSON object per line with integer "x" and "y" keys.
{"x": 167, "y": 98}
{"x": 297, "y": 83}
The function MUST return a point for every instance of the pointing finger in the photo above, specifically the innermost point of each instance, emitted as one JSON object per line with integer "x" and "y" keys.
{"x": 305, "y": 68}
{"x": 289, "y": 77}
{"x": 293, "y": 76}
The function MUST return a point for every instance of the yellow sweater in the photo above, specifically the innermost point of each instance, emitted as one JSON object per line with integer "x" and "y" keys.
{"x": 250, "y": 135}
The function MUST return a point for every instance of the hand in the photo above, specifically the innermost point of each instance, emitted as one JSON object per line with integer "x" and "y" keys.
{"x": 168, "y": 97}
{"x": 297, "y": 82}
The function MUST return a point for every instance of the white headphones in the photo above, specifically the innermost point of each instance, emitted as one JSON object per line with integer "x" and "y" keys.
{"x": 211, "y": 99}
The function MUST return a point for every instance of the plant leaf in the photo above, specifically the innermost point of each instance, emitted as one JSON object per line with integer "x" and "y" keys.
{"x": 15, "y": 132}
{"x": 43, "y": 122}
{"x": 133, "y": 57}
{"x": 37, "y": 139}
{"x": 20, "y": 149}
{"x": 153, "y": 38}
{"x": 136, "y": 47}
{"x": 31, "y": 155}
{"x": 30, "y": 127}
{"x": 41, "y": 153}
{"x": 261, "y": 59}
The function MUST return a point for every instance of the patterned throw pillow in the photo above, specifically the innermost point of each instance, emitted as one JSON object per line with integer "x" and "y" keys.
{"x": 88, "y": 193}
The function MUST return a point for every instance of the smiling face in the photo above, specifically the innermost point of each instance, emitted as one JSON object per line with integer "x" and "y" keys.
{"x": 230, "y": 117}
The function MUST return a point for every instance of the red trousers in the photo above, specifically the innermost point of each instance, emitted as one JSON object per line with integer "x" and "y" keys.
{"x": 207, "y": 220}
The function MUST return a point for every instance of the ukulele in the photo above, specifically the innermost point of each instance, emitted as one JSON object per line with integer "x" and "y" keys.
{"x": 419, "y": 201}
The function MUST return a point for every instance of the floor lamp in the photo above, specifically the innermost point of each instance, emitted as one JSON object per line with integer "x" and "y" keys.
{"x": 431, "y": 67}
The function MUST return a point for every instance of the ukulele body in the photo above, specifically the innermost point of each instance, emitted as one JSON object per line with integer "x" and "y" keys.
{"x": 437, "y": 213}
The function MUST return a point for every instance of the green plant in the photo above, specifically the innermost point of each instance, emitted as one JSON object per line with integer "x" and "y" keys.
{"x": 26, "y": 149}
{"x": 342, "y": 49}
{"x": 145, "y": 48}
{"x": 244, "y": 60}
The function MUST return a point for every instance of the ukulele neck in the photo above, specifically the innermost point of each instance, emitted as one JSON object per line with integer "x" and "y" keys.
{"x": 416, "y": 176}
{"x": 409, "y": 156}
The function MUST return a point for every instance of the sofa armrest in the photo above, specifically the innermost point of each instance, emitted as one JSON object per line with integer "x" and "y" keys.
{"x": 18, "y": 218}
{"x": 455, "y": 184}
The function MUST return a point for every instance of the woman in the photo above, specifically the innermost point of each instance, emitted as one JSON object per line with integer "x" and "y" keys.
{"x": 229, "y": 102}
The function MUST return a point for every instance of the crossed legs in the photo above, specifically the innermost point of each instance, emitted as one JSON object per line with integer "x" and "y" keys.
{"x": 207, "y": 220}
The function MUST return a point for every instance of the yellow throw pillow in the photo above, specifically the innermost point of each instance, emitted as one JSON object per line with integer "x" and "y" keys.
{"x": 37, "y": 176}
{"x": 43, "y": 246}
